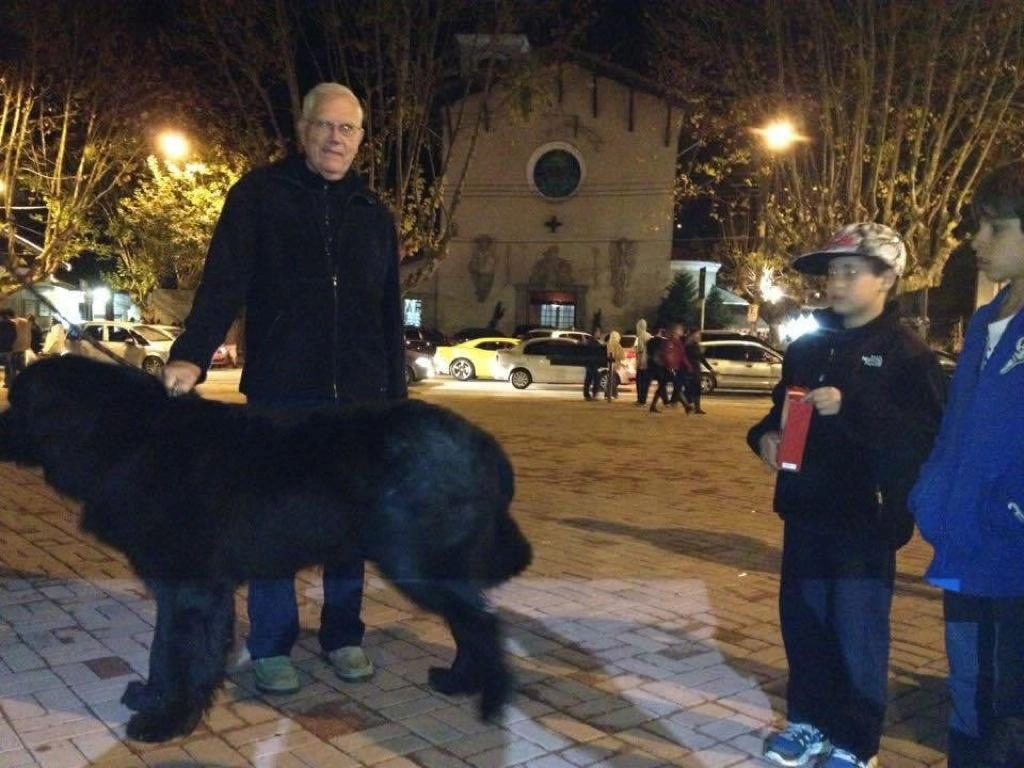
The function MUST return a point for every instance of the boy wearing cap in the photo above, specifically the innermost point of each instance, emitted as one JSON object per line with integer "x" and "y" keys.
{"x": 969, "y": 499}
{"x": 876, "y": 390}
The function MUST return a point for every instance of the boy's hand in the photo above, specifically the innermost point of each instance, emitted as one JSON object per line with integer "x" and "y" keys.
{"x": 768, "y": 448}
{"x": 827, "y": 400}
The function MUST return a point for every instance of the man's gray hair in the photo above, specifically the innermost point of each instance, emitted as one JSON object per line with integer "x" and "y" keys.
{"x": 328, "y": 90}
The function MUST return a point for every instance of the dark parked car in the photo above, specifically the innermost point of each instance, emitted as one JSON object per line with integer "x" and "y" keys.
{"x": 418, "y": 365}
{"x": 466, "y": 334}
{"x": 424, "y": 339}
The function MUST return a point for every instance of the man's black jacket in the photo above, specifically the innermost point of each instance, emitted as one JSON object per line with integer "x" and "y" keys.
{"x": 859, "y": 464}
{"x": 315, "y": 263}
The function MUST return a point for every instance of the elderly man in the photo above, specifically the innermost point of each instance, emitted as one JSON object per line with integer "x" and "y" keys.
{"x": 313, "y": 256}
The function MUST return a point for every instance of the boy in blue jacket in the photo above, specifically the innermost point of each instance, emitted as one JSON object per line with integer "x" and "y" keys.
{"x": 969, "y": 499}
{"x": 877, "y": 390}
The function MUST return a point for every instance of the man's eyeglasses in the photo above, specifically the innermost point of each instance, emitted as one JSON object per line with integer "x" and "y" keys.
{"x": 345, "y": 129}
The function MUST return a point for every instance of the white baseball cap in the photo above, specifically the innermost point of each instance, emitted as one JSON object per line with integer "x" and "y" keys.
{"x": 867, "y": 239}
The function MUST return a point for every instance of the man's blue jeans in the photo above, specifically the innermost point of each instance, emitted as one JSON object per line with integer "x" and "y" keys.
{"x": 274, "y": 613}
{"x": 273, "y": 609}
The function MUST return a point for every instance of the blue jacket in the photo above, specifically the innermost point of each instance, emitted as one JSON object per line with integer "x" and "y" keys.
{"x": 969, "y": 498}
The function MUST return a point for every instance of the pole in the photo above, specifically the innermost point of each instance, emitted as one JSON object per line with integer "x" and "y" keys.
{"x": 702, "y": 293}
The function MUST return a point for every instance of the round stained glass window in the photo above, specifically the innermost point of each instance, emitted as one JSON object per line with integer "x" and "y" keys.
{"x": 556, "y": 170}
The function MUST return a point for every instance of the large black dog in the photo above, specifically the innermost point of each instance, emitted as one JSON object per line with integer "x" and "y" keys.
{"x": 201, "y": 496}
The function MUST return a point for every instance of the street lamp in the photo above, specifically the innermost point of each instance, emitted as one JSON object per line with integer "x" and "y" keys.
{"x": 779, "y": 135}
{"x": 172, "y": 145}
{"x": 770, "y": 290}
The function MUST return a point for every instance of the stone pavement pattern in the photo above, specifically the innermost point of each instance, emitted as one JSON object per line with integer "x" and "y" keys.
{"x": 644, "y": 634}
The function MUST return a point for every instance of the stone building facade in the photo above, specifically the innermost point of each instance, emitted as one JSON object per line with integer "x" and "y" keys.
{"x": 566, "y": 212}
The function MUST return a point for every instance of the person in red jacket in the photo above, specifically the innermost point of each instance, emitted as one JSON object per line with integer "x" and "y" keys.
{"x": 675, "y": 362}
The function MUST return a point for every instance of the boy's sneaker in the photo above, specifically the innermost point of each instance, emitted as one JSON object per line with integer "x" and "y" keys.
{"x": 351, "y": 663}
{"x": 840, "y": 758}
{"x": 275, "y": 674}
{"x": 795, "y": 745}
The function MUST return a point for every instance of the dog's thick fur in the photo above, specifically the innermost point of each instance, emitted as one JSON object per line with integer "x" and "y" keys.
{"x": 201, "y": 496}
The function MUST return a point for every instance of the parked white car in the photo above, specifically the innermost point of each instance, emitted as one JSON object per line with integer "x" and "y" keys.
{"x": 580, "y": 337}
{"x": 549, "y": 361}
{"x": 143, "y": 346}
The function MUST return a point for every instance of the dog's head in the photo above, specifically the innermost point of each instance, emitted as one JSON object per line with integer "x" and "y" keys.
{"x": 73, "y": 416}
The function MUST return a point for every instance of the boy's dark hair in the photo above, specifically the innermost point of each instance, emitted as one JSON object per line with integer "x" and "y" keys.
{"x": 1000, "y": 195}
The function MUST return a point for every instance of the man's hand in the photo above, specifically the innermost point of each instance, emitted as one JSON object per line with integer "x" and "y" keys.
{"x": 180, "y": 376}
{"x": 768, "y": 448}
{"x": 827, "y": 400}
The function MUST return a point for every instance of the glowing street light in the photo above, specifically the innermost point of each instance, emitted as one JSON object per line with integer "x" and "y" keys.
{"x": 770, "y": 290}
{"x": 172, "y": 145}
{"x": 779, "y": 135}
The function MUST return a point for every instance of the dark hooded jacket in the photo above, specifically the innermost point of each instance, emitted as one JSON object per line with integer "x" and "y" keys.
{"x": 859, "y": 464}
{"x": 315, "y": 263}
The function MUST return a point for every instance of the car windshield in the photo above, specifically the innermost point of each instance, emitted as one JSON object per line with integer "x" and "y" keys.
{"x": 151, "y": 333}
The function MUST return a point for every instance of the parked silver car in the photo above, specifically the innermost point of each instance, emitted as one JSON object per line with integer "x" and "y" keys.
{"x": 143, "y": 346}
{"x": 740, "y": 364}
{"x": 548, "y": 361}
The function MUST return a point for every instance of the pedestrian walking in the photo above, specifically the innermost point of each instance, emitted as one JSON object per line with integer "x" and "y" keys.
{"x": 675, "y": 367}
{"x": 35, "y": 335}
{"x": 8, "y": 334}
{"x": 22, "y": 344}
{"x": 594, "y": 355}
{"x": 643, "y": 373}
{"x": 615, "y": 355}
{"x": 695, "y": 357}
{"x": 54, "y": 343}
{"x": 658, "y": 374}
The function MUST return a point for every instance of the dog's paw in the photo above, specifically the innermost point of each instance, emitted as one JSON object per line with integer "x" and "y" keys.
{"x": 494, "y": 694}
{"x": 162, "y": 724}
{"x": 141, "y": 697}
{"x": 452, "y": 681}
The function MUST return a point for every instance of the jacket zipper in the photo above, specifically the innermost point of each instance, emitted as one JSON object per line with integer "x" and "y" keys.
{"x": 328, "y": 239}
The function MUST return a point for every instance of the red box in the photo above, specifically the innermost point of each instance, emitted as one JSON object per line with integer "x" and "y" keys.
{"x": 796, "y": 420}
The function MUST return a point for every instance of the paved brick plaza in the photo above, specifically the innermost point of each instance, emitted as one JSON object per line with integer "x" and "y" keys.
{"x": 644, "y": 634}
